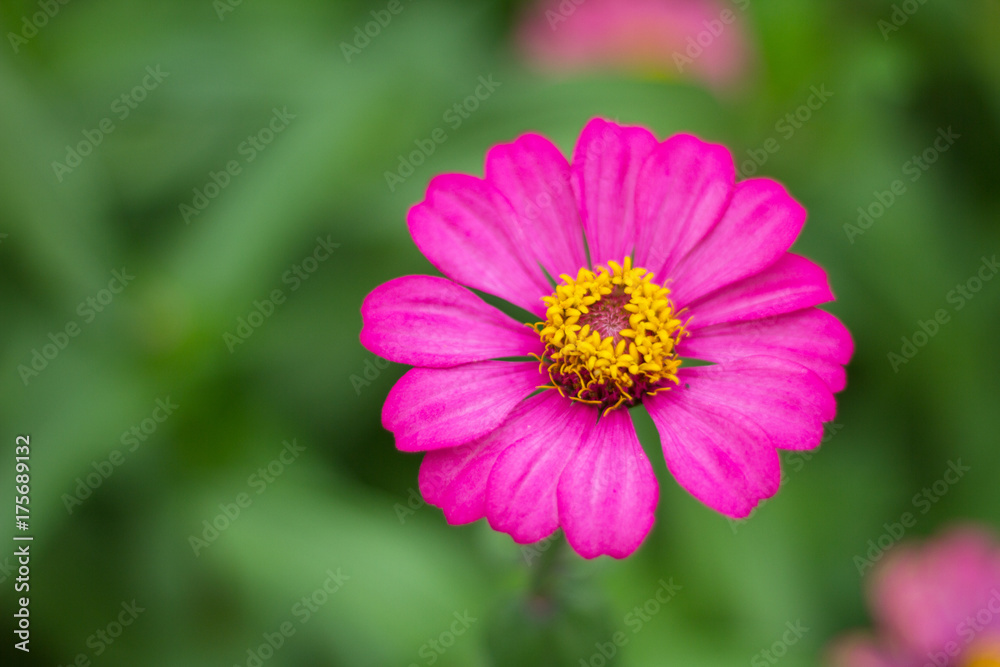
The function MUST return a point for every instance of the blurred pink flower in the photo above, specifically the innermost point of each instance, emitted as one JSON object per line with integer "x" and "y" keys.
{"x": 935, "y": 605}
{"x": 700, "y": 39}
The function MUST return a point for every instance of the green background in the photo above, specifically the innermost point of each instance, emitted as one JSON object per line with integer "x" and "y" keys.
{"x": 343, "y": 502}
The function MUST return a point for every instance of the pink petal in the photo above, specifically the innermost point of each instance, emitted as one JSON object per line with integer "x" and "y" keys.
{"x": 810, "y": 337}
{"x": 760, "y": 224}
{"x": 792, "y": 283}
{"x": 788, "y": 401}
{"x": 433, "y": 408}
{"x": 535, "y": 178}
{"x": 428, "y": 321}
{"x": 723, "y": 458}
{"x": 606, "y": 165}
{"x": 684, "y": 189}
{"x": 469, "y": 231}
{"x": 607, "y": 494}
{"x": 455, "y": 479}
{"x": 521, "y": 495}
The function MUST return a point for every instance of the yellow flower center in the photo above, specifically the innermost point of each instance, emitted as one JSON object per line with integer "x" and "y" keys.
{"x": 983, "y": 654}
{"x": 610, "y": 336}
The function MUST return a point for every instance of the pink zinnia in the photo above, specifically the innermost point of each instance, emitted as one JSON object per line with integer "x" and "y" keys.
{"x": 935, "y": 605}
{"x": 547, "y": 442}
{"x": 701, "y": 39}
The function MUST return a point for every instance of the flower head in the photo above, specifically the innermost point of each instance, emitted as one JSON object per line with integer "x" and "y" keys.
{"x": 636, "y": 257}
{"x": 700, "y": 39}
{"x": 934, "y": 604}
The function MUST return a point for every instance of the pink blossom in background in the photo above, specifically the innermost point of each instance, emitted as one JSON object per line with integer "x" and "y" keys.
{"x": 658, "y": 255}
{"x": 935, "y": 604}
{"x": 699, "y": 39}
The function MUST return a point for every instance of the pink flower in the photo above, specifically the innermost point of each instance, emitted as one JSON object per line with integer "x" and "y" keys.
{"x": 936, "y": 604}
{"x": 629, "y": 217}
{"x": 703, "y": 39}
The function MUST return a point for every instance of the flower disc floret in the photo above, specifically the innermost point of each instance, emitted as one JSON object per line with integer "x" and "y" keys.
{"x": 611, "y": 336}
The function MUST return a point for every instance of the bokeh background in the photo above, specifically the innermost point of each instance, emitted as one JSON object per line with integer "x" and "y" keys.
{"x": 345, "y": 504}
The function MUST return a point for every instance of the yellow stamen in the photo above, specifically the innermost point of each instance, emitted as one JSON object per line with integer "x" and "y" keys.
{"x": 610, "y": 336}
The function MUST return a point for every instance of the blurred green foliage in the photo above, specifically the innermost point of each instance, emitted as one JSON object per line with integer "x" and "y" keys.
{"x": 346, "y": 502}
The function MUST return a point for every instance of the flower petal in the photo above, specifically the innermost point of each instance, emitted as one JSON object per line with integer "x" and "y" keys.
{"x": 792, "y": 283}
{"x": 684, "y": 189}
{"x": 534, "y": 176}
{"x": 760, "y": 224}
{"x": 521, "y": 494}
{"x": 429, "y": 321}
{"x": 469, "y": 231}
{"x": 454, "y": 479}
{"x": 607, "y": 494}
{"x": 723, "y": 458}
{"x": 433, "y": 408}
{"x": 606, "y": 166}
{"x": 788, "y": 401}
{"x": 811, "y": 337}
